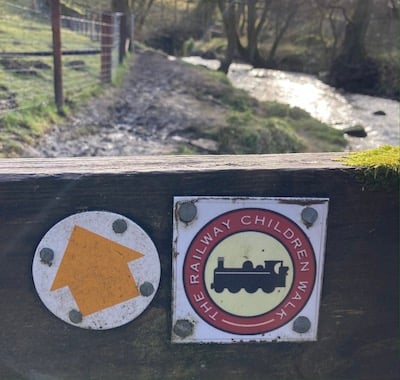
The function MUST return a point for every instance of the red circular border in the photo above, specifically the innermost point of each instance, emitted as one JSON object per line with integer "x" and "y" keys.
{"x": 274, "y": 225}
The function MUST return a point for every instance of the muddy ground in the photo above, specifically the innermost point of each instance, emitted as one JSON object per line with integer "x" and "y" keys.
{"x": 150, "y": 114}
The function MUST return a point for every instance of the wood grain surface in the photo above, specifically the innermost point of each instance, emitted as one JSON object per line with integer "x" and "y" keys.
{"x": 358, "y": 335}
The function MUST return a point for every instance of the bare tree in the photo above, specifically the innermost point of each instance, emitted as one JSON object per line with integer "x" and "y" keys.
{"x": 229, "y": 18}
{"x": 256, "y": 18}
{"x": 139, "y": 8}
{"x": 353, "y": 47}
{"x": 332, "y": 17}
{"x": 284, "y": 13}
{"x": 252, "y": 17}
{"x": 246, "y": 15}
{"x": 352, "y": 68}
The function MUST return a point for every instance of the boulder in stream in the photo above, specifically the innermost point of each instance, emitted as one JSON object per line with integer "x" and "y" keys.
{"x": 356, "y": 131}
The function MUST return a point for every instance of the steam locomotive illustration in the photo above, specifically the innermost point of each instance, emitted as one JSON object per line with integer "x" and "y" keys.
{"x": 250, "y": 278}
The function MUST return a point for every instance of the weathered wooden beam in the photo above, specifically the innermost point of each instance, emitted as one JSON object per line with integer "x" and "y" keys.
{"x": 358, "y": 328}
{"x": 169, "y": 164}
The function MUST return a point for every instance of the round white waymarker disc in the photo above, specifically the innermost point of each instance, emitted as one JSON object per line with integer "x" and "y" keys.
{"x": 96, "y": 270}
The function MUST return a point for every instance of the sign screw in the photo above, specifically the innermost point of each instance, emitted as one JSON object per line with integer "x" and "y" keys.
{"x": 146, "y": 289}
{"x": 47, "y": 256}
{"x": 119, "y": 226}
{"x": 183, "y": 328}
{"x": 187, "y": 212}
{"x": 75, "y": 316}
{"x": 309, "y": 215}
{"x": 301, "y": 325}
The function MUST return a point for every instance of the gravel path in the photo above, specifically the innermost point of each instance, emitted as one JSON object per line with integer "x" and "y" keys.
{"x": 150, "y": 114}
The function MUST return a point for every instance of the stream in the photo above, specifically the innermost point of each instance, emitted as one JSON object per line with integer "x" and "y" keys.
{"x": 327, "y": 104}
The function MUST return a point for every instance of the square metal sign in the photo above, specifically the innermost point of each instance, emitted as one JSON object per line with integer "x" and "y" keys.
{"x": 247, "y": 269}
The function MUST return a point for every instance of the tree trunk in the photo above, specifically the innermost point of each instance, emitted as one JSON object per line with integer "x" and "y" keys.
{"x": 255, "y": 25}
{"x": 353, "y": 48}
{"x": 229, "y": 19}
{"x": 139, "y": 9}
{"x": 352, "y": 69}
{"x": 251, "y": 30}
{"x": 280, "y": 33}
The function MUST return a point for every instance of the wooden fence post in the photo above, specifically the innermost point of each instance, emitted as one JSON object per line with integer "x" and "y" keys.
{"x": 123, "y": 36}
{"x": 132, "y": 33}
{"x": 107, "y": 34}
{"x": 57, "y": 54}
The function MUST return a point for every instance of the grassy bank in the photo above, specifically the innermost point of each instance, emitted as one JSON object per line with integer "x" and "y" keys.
{"x": 26, "y": 83}
{"x": 252, "y": 126}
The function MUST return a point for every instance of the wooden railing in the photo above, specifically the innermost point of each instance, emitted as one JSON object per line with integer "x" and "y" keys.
{"x": 358, "y": 330}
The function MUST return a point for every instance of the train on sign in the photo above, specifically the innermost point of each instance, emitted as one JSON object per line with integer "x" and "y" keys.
{"x": 267, "y": 277}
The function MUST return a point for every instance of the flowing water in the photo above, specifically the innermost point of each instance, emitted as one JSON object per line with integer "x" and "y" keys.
{"x": 325, "y": 103}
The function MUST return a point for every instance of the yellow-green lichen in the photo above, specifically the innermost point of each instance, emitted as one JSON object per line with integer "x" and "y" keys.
{"x": 376, "y": 168}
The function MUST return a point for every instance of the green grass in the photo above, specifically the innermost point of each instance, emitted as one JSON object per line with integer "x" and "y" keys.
{"x": 20, "y": 128}
{"x": 249, "y": 134}
{"x": 258, "y": 127}
{"x": 215, "y": 45}
{"x": 26, "y": 83}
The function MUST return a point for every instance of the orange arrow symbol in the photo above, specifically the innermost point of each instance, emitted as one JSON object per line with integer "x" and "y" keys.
{"x": 96, "y": 271}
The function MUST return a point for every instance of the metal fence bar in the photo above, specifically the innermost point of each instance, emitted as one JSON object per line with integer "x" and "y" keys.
{"x": 49, "y": 53}
{"x": 106, "y": 47}
{"x": 57, "y": 56}
{"x": 88, "y": 27}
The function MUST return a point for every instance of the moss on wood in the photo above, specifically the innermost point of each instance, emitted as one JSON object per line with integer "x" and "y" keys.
{"x": 376, "y": 168}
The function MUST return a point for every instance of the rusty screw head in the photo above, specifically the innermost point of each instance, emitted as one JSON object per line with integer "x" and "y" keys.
{"x": 146, "y": 289}
{"x": 183, "y": 328}
{"x": 47, "y": 256}
{"x": 309, "y": 215}
{"x": 119, "y": 226}
{"x": 301, "y": 325}
{"x": 187, "y": 211}
{"x": 75, "y": 316}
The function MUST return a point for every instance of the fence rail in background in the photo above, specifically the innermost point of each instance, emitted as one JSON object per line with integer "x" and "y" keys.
{"x": 359, "y": 310}
{"x": 27, "y": 67}
{"x": 88, "y": 27}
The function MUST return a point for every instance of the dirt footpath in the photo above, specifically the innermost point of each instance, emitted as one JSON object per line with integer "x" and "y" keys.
{"x": 150, "y": 114}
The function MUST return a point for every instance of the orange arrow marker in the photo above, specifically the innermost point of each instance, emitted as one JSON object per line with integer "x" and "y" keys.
{"x": 96, "y": 271}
